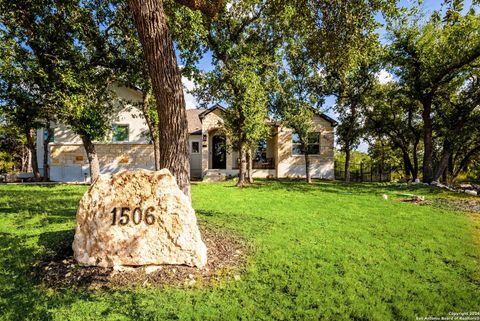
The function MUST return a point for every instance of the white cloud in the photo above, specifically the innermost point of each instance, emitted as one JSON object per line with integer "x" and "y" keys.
{"x": 190, "y": 100}
{"x": 384, "y": 76}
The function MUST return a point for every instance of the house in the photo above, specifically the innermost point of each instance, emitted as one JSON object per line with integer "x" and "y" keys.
{"x": 128, "y": 147}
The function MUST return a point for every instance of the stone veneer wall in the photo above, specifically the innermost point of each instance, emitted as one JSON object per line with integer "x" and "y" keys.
{"x": 124, "y": 154}
{"x": 112, "y": 158}
{"x": 322, "y": 166}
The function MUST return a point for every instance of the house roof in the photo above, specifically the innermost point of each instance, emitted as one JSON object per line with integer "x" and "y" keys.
{"x": 205, "y": 112}
{"x": 329, "y": 119}
{"x": 194, "y": 122}
{"x": 209, "y": 110}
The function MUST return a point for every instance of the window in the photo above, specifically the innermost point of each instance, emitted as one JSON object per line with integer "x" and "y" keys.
{"x": 195, "y": 148}
{"x": 261, "y": 152}
{"x": 120, "y": 133}
{"x": 52, "y": 135}
{"x": 313, "y": 146}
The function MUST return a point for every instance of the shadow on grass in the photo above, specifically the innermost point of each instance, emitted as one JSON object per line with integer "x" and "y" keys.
{"x": 339, "y": 187}
{"x": 57, "y": 245}
{"x": 22, "y": 297}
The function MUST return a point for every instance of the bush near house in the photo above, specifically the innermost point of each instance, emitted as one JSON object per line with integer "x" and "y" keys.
{"x": 322, "y": 251}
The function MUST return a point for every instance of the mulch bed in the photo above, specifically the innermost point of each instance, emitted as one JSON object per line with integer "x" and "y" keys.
{"x": 472, "y": 206}
{"x": 464, "y": 205}
{"x": 226, "y": 259}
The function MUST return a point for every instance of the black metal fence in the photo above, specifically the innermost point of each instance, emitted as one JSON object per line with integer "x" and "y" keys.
{"x": 360, "y": 172}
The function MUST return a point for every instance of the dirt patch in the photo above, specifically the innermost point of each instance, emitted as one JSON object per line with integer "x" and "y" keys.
{"x": 226, "y": 258}
{"x": 472, "y": 206}
{"x": 415, "y": 199}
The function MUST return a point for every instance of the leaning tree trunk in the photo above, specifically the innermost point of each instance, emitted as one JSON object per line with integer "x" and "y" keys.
{"x": 250, "y": 166}
{"x": 243, "y": 165}
{"x": 152, "y": 129}
{"x": 92, "y": 158}
{"x": 427, "y": 142}
{"x": 33, "y": 152}
{"x": 308, "y": 177}
{"x": 442, "y": 166}
{"x": 166, "y": 79}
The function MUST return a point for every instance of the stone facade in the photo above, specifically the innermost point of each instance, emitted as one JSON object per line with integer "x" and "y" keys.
{"x": 112, "y": 157}
{"x": 68, "y": 161}
{"x": 322, "y": 165}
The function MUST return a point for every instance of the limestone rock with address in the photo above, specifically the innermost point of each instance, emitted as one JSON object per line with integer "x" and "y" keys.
{"x": 137, "y": 218}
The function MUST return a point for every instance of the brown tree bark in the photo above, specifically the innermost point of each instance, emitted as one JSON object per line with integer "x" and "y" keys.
{"x": 347, "y": 163}
{"x": 250, "y": 166}
{"x": 92, "y": 158}
{"x": 243, "y": 166}
{"x": 443, "y": 163}
{"x": 308, "y": 177}
{"x": 167, "y": 86}
{"x": 427, "y": 141}
{"x": 46, "y": 151}
{"x": 30, "y": 137}
{"x": 152, "y": 129}
{"x": 442, "y": 166}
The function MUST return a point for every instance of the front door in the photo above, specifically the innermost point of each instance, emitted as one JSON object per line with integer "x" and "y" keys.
{"x": 219, "y": 152}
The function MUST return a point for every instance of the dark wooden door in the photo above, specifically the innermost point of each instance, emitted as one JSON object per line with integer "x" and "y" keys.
{"x": 219, "y": 152}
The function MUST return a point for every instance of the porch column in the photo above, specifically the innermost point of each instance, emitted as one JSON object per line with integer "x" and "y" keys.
{"x": 205, "y": 147}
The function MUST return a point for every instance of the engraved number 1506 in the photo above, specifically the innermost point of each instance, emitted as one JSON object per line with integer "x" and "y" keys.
{"x": 136, "y": 216}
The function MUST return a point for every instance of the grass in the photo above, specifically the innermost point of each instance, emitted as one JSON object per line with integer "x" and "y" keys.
{"x": 327, "y": 251}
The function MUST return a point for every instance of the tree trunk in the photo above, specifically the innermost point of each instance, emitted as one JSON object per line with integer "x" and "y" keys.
{"x": 308, "y": 178}
{"x": 442, "y": 165}
{"x": 347, "y": 164}
{"x": 250, "y": 166}
{"x": 465, "y": 161}
{"x": 152, "y": 129}
{"x": 25, "y": 158}
{"x": 167, "y": 86}
{"x": 243, "y": 165}
{"x": 407, "y": 166}
{"x": 92, "y": 158}
{"x": 427, "y": 141}
{"x": 29, "y": 134}
{"x": 415, "y": 160}
{"x": 46, "y": 150}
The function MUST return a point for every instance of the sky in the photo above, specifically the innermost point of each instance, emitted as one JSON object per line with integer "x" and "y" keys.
{"x": 428, "y": 7}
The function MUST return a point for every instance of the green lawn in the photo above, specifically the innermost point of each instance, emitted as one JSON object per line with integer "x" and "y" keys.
{"x": 325, "y": 251}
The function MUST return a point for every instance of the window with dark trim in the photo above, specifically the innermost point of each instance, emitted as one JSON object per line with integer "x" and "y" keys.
{"x": 261, "y": 151}
{"x": 120, "y": 133}
{"x": 52, "y": 135}
{"x": 313, "y": 146}
{"x": 195, "y": 148}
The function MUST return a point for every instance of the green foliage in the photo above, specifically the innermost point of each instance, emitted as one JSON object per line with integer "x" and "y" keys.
{"x": 356, "y": 157}
{"x": 6, "y": 162}
{"x": 368, "y": 258}
{"x": 243, "y": 48}
{"x": 435, "y": 61}
{"x": 71, "y": 57}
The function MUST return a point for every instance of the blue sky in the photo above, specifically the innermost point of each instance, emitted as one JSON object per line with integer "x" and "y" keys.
{"x": 428, "y": 7}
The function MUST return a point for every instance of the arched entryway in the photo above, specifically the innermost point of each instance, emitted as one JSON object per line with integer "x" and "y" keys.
{"x": 219, "y": 152}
